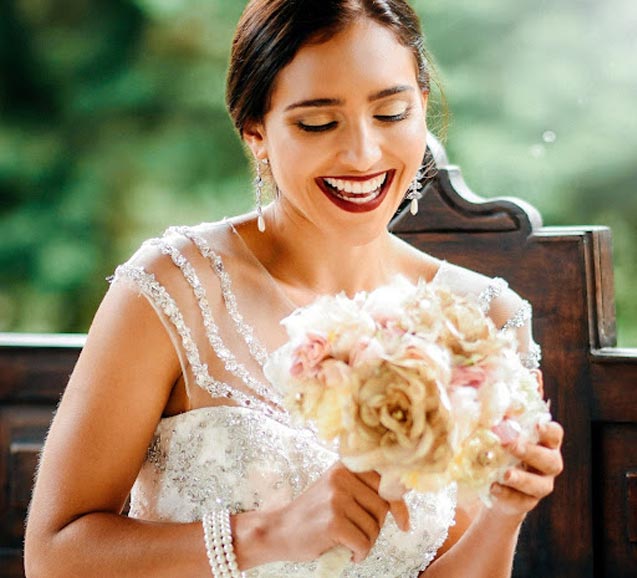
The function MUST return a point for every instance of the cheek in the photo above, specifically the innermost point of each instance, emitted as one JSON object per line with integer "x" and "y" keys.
{"x": 409, "y": 151}
{"x": 289, "y": 160}
{"x": 408, "y": 147}
{"x": 414, "y": 139}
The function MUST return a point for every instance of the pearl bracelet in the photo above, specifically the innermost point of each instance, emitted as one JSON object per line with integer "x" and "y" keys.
{"x": 218, "y": 538}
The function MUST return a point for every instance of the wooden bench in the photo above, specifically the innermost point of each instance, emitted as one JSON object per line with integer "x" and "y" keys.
{"x": 588, "y": 527}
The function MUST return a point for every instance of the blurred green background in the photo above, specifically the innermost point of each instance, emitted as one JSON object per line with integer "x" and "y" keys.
{"x": 112, "y": 126}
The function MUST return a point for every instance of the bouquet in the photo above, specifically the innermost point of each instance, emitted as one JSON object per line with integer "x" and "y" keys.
{"x": 412, "y": 381}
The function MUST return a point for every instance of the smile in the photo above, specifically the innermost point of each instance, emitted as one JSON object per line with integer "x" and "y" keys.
{"x": 357, "y": 194}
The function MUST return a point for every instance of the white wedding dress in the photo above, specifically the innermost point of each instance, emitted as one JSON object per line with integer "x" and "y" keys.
{"x": 236, "y": 447}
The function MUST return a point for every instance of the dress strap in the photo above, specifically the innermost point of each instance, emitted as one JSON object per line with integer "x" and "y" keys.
{"x": 157, "y": 294}
{"x": 161, "y": 299}
{"x": 520, "y": 317}
{"x": 231, "y": 364}
{"x": 256, "y": 349}
{"x": 493, "y": 291}
{"x": 532, "y": 356}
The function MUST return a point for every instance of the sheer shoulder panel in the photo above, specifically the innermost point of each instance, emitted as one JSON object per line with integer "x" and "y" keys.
{"x": 519, "y": 319}
{"x": 507, "y": 309}
{"x": 231, "y": 363}
{"x": 257, "y": 350}
{"x": 185, "y": 277}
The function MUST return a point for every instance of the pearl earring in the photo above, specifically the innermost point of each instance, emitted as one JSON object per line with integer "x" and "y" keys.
{"x": 258, "y": 185}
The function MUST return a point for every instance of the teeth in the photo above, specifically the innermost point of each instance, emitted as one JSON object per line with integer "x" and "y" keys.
{"x": 360, "y": 200}
{"x": 357, "y": 187}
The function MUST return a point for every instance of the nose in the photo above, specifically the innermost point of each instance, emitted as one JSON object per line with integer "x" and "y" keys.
{"x": 360, "y": 146}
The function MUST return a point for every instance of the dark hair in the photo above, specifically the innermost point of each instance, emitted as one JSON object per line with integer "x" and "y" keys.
{"x": 270, "y": 33}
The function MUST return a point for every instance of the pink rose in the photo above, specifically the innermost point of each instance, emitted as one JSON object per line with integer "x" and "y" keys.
{"x": 307, "y": 356}
{"x": 507, "y": 430}
{"x": 468, "y": 376}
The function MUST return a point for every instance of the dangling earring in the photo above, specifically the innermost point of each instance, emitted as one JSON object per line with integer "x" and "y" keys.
{"x": 258, "y": 185}
{"x": 413, "y": 192}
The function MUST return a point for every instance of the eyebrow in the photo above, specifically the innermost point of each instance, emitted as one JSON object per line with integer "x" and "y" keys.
{"x": 391, "y": 91}
{"x": 323, "y": 102}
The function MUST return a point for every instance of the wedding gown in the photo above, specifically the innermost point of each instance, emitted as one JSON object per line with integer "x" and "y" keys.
{"x": 236, "y": 447}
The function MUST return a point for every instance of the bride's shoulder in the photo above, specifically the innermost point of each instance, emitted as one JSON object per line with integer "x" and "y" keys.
{"x": 178, "y": 244}
{"x": 507, "y": 309}
{"x": 413, "y": 263}
{"x": 493, "y": 293}
{"x": 188, "y": 262}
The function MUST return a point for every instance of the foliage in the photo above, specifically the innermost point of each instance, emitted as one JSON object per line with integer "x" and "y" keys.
{"x": 542, "y": 95}
{"x": 113, "y": 126}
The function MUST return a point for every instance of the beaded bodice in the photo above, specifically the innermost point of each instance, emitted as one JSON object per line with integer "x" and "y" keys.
{"x": 234, "y": 457}
{"x": 236, "y": 447}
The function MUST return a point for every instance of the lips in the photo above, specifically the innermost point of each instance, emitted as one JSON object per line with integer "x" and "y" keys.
{"x": 357, "y": 194}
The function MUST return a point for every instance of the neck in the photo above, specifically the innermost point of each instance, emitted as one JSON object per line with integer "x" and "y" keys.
{"x": 308, "y": 261}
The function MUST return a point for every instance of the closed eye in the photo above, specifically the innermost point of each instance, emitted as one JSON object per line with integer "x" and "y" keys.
{"x": 316, "y": 127}
{"x": 393, "y": 117}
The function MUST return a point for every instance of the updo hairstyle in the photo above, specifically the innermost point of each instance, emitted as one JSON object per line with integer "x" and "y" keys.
{"x": 271, "y": 32}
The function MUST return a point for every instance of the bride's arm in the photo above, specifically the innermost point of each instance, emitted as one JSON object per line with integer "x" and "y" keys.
{"x": 484, "y": 547}
{"x": 94, "y": 450}
{"x": 482, "y": 543}
{"x": 98, "y": 442}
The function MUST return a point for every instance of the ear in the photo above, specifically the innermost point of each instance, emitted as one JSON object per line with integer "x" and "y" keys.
{"x": 425, "y": 99}
{"x": 424, "y": 95}
{"x": 254, "y": 136}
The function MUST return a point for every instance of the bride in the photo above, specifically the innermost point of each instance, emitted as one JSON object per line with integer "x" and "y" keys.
{"x": 168, "y": 403}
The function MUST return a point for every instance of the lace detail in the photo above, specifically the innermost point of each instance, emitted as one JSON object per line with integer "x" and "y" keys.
{"x": 229, "y": 360}
{"x": 232, "y": 457}
{"x": 255, "y": 347}
{"x": 493, "y": 291}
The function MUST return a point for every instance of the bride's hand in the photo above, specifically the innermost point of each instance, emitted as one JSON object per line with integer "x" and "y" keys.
{"x": 341, "y": 508}
{"x": 524, "y": 486}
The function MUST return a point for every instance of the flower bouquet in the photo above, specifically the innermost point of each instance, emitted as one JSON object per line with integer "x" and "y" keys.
{"x": 412, "y": 381}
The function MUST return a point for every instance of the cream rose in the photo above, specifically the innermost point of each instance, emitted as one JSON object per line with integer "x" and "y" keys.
{"x": 399, "y": 419}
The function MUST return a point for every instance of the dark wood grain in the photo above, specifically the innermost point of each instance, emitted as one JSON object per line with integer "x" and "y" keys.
{"x": 616, "y": 500}
{"x": 631, "y": 505}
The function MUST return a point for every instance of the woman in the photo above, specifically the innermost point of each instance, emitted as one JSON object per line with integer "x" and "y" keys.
{"x": 168, "y": 397}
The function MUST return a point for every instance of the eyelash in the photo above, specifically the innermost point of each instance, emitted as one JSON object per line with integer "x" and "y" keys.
{"x": 316, "y": 127}
{"x": 394, "y": 117}
{"x": 325, "y": 127}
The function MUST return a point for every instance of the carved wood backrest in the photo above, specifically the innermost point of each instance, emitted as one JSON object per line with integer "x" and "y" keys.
{"x": 588, "y": 527}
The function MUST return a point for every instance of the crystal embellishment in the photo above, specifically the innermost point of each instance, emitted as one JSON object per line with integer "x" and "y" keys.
{"x": 231, "y": 364}
{"x": 520, "y": 317}
{"x": 493, "y": 291}
{"x": 257, "y": 350}
{"x": 232, "y": 458}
